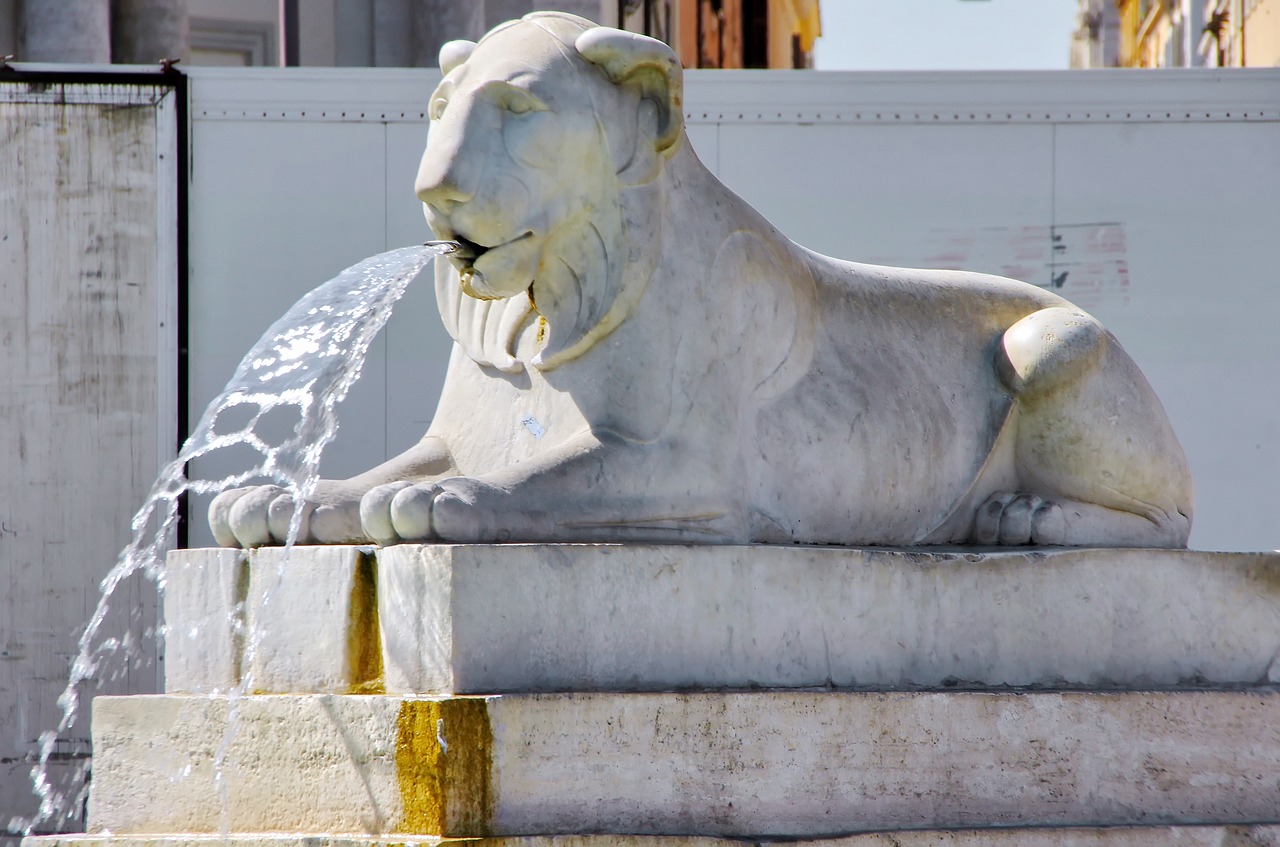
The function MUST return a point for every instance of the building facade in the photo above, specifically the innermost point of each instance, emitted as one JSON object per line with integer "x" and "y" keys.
{"x": 1241, "y": 33}
{"x": 1160, "y": 33}
{"x": 1095, "y": 43}
{"x": 1196, "y": 33}
{"x": 729, "y": 33}
{"x": 384, "y": 33}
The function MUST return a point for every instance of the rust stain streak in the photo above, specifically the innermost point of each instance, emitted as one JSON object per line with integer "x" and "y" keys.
{"x": 444, "y": 764}
{"x": 364, "y": 638}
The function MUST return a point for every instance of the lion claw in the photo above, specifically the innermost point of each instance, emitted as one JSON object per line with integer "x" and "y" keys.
{"x": 446, "y": 511}
{"x": 260, "y": 515}
{"x": 411, "y": 512}
{"x": 250, "y": 515}
{"x": 1019, "y": 518}
{"x": 398, "y": 511}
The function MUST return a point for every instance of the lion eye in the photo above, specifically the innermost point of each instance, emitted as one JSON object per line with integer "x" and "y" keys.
{"x": 436, "y": 111}
{"x": 517, "y": 104}
{"x": 520, "y": 102}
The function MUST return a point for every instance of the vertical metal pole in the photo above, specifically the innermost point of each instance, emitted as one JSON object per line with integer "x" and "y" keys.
{"x": 289, "y": 51}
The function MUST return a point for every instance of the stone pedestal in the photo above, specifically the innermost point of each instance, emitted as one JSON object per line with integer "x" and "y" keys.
{"x": 609, "y": 695}
{"x": 498, "y": 619}
{"x": 779, "y": 764}
{"x": 1144, "y": 836}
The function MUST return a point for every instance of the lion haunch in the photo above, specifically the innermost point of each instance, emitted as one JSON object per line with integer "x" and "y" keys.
{"x": 640, "y": 356}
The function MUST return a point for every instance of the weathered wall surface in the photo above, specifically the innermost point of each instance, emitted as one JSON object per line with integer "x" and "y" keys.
{"x": 86, "y": 319}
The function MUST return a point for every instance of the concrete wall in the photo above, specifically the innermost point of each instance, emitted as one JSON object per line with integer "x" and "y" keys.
{"x": 88, "y": 398}
{"x": 1150, "y": 199}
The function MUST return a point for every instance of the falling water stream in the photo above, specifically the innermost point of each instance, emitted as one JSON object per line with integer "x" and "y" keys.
{"x": 302, "y": 366}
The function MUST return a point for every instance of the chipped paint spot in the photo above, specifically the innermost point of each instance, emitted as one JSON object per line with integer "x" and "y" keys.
{"x": 536, "y": 429}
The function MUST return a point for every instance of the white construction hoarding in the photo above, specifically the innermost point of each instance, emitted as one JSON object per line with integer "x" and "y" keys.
{"x": 1150, "y": 198}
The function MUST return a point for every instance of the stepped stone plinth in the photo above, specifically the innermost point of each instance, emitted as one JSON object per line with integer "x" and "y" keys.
{"x": 593, "y": 695}
{"x": 641, "y": 356}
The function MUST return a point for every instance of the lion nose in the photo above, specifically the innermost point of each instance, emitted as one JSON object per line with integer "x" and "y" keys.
{"x": 444, "y": 180}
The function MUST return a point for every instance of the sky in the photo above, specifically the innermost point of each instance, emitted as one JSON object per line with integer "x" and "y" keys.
{"x": 944, "y": 34}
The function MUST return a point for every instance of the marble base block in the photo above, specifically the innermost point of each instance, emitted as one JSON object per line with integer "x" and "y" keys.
{"x": 204, "y": 610}
{"x": 521, "y": 618}
{"x": 1121, "y": 836}
{"x": 763, "y": 764}
{"x": 279, "y": 620}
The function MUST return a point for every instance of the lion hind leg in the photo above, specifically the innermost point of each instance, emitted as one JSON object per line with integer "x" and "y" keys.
{"x": 1092, "y": 442}
{"x": 1014, "y": 518}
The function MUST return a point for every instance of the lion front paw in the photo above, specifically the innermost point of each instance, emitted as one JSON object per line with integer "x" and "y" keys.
{"x": 399, "y": 511}
{"x": 261, "y": 515}
{"x": 458, "y": 510}
{"x": 1010, "y": 518}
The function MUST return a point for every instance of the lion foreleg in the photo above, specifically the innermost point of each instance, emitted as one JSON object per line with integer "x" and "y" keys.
{"x": 597, "y": 487}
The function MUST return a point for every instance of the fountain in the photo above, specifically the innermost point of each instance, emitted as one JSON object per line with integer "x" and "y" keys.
{"x": 622, "y": 591}
{"x": 306, "y": 361}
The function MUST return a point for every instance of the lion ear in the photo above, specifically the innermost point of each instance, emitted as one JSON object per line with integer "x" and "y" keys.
{"x": 454, "y": 53}
{"x": 633, "y": 59}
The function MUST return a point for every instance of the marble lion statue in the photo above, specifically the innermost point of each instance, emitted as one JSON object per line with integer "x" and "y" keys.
{"x": 641, "y": 356}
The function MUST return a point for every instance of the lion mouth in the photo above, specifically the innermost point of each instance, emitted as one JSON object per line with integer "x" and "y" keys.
{"x": 498, "y": 271}
{"x": 469, "y": 251}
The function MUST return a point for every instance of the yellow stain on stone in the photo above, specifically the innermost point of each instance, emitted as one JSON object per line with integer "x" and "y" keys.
{"x": 364, "y": 638}
{"x": 444, "y": 763}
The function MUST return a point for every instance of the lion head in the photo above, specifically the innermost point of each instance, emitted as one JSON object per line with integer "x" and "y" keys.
{"x": 546, "y": 140}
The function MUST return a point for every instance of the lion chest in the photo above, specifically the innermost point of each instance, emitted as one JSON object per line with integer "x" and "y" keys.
{"x": 492, "y": 419}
